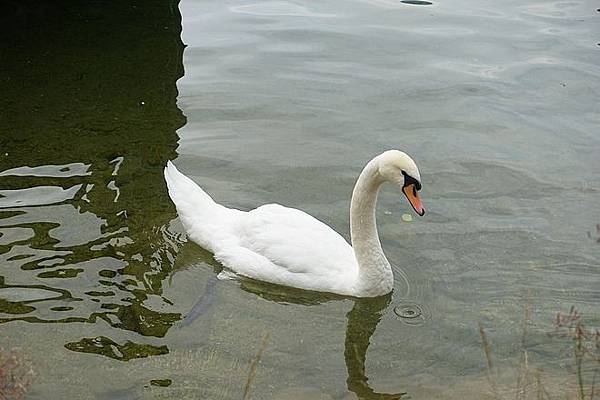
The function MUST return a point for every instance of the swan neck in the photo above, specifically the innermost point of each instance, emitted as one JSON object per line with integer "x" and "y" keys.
{"x": 374, "y": 272}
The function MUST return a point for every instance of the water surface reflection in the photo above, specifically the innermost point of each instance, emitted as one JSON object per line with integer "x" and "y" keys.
{"x": 362, "y": 322}
{"x": 89, "y": 118}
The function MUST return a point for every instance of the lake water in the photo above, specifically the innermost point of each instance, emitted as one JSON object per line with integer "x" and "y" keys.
{"x": 281, "y": 101}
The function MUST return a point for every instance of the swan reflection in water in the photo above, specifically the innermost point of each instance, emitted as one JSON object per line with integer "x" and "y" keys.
{"x": 362, "y": 321}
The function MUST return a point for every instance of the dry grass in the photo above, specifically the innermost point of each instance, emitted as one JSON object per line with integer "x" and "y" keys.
{"x": 16, "y": 375}
{"x": 530, "y": 379}
{"x": 586, "y": 348}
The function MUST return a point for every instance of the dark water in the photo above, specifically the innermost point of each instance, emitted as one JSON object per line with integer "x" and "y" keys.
{"x": 284, "y": 102}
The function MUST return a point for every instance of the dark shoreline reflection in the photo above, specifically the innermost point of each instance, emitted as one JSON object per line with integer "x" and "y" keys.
{"x": 88, "y": 117}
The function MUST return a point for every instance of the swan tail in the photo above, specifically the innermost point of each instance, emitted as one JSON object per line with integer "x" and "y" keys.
{"x": 191, "y": 201}
{"x": 182, "y": 189}
{"x": 206, "y": 222}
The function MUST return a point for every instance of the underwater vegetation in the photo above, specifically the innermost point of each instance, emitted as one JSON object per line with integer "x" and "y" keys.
{"x": 532, "y": 381}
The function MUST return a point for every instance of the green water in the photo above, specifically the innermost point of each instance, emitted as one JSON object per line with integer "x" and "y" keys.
{"x": 285, "y": 102}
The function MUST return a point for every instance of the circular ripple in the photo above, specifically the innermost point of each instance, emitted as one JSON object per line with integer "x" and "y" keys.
{"x": 408, "y": 311}
{"x": 412, "y": 313}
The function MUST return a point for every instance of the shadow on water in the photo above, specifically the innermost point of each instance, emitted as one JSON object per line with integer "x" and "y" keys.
{"x": 88, "y": 117}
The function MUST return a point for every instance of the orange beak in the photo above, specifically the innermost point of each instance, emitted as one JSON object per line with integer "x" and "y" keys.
{"x": 410, "y": 191}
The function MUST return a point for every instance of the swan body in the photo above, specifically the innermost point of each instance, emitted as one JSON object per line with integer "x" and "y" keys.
{"x": 289, "y": 247}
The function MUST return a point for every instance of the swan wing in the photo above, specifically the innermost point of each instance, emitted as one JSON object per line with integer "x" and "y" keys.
{"x": 294, "y": 248}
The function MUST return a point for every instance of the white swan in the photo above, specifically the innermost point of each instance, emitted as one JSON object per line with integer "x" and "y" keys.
{"x": 286, "y": 246}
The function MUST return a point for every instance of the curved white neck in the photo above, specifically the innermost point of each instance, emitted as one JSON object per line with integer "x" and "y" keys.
{"x": 375, "y": 275}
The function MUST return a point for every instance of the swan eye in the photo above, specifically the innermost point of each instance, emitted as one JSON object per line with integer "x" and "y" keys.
{"x": 409, "y": 180}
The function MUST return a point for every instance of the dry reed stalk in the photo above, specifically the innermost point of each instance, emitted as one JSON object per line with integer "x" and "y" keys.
{"x": 593, "y": 384}
{"x": 254, "y": 366}
{"x": 541, "y": 390}
{"x": 523, "y": 378}
{"x": 527, "y": 307}
{"x": 578, "y": 353}
{"x": 487, "y": 350}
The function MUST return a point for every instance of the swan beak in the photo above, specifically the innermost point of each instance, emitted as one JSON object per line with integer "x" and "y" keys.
{"x": 413, "y": 198}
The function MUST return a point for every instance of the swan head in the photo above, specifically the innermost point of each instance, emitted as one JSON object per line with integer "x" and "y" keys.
{"x": 397, "y": 167}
